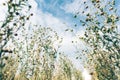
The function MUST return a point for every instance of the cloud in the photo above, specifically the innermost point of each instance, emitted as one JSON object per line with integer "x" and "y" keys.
{"x": 74, "y": 7}
{"x": 3, "y": 10}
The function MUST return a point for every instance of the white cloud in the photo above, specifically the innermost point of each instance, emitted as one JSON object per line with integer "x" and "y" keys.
{"x": 75, "y": 6}
{"x": 3, "y": 10}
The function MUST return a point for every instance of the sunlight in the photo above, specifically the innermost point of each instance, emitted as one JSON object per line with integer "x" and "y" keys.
{"x": 86, "y": 75}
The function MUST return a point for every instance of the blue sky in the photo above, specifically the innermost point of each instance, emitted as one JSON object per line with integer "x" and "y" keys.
{"x": 56, "y": 8}
{"x": 53, "y": 7}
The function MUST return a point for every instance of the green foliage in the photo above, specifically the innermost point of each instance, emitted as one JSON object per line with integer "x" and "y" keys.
{"x": 14, "y": 20}
{"x": 103, "y": 37}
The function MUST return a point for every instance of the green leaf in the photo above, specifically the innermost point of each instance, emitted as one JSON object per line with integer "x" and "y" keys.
{"x": 66, "y": 29}
{"x": 109, "y": 20}
{"x": 75, "y": 16}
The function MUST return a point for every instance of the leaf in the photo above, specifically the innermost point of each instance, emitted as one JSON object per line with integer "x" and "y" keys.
{"x": 75, "y": 16}
{"x": 71, "y": 30}
{"x": 75, "y": 25}
{"x": 66, "y": 29}
{"x": 76, "y": 57}
{"x": 109, "y": 20}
